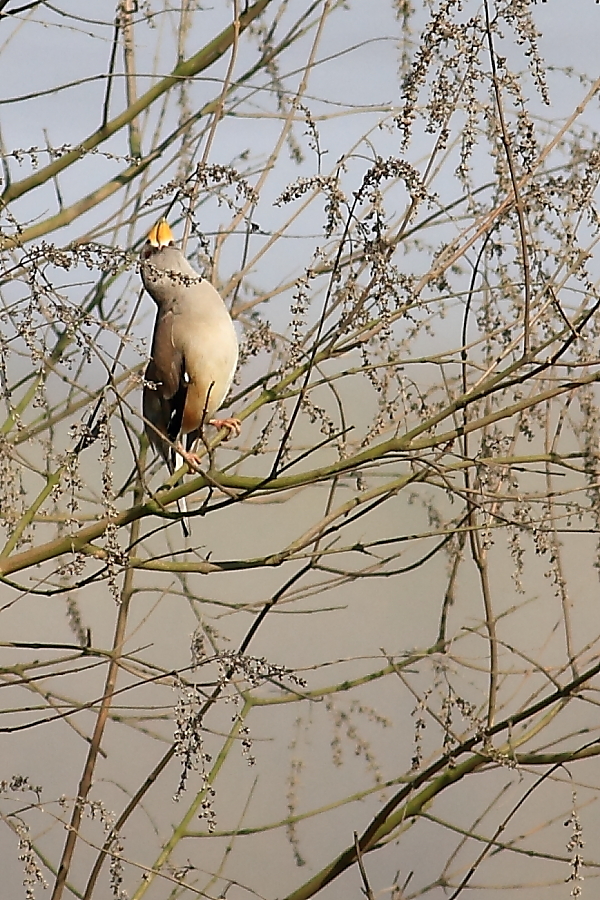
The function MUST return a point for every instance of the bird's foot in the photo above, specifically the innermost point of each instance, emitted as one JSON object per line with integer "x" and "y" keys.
{"x": 233, "y": 425}
{"x": 192, "y": 459}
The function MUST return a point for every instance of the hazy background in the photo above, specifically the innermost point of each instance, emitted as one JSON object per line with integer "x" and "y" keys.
{"x": 325, "y": 636}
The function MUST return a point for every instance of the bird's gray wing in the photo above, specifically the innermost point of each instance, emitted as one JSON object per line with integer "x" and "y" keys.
{"x": 164, "y": 399}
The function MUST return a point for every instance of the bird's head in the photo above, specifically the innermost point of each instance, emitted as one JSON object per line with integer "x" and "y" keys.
{"x": 165, "y": 271}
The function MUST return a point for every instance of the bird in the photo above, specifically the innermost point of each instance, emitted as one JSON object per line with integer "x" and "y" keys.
{"x": 193, "y": 357}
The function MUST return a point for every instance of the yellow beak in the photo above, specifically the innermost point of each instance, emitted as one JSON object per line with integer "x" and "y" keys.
{"x": 161, "y": 235}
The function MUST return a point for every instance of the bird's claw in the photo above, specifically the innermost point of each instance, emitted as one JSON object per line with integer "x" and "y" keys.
{"x": 192, "y": 459}
{"x": 233, "y": 425}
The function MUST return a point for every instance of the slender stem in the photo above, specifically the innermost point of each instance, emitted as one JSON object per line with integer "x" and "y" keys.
{"x": 85, "y": 783}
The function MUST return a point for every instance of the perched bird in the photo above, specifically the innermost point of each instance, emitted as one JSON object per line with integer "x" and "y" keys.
{"x": 194, "y": 352}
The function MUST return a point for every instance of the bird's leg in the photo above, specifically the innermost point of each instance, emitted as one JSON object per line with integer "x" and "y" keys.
{"x": 233, "y": 425}
{"x": 192, "y": 459}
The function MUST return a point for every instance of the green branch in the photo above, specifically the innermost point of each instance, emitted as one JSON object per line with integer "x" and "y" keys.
{"x": 186, "y": 69}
